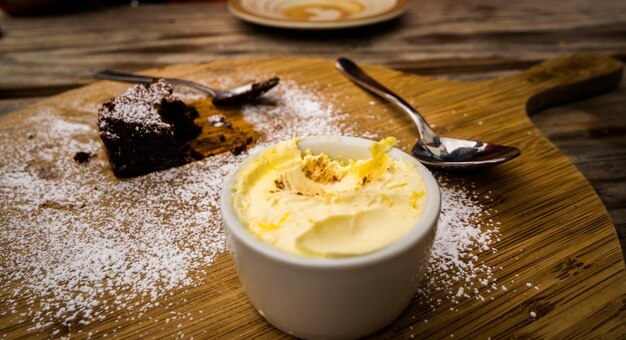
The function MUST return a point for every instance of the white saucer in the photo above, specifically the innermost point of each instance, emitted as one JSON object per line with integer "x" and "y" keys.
{"x": 316, "y": 14}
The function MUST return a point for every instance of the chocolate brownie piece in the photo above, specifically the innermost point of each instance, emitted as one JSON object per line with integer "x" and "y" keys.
{"x": 146, "y": 129}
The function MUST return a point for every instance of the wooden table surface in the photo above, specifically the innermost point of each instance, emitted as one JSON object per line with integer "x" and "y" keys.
{"x": 43, "y": 56}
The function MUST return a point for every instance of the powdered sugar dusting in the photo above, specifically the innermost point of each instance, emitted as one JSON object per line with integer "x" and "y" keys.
{"x": 456, "y": 272}
{"x": 295, "y": 113}
{"x": 139, "y": 105}
{"x": 70, "y": 248}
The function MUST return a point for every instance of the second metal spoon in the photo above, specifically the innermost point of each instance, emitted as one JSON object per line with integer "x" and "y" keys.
{"x": 236, "y": 96}
{"x": 432, "y": 149}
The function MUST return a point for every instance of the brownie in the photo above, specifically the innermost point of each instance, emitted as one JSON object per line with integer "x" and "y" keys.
{"x": 146, "y": 129}
{"x": 82, "y": 157}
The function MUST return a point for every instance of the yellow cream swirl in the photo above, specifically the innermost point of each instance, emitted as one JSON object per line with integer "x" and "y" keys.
{"x": 312, "y": 205}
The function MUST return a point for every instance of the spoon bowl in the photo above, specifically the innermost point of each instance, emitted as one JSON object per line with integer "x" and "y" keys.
{"x": 432, "y": 149}
{"x": 465, "y": 153}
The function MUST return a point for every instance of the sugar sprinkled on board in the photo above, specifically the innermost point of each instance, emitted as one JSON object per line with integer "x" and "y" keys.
{"x": 79, "y": 254}
{"x": 71, "y": 246}
{"x": 295, "y": 114}
{"x": 68, "y": 247}
{"x": 455, "y": 271}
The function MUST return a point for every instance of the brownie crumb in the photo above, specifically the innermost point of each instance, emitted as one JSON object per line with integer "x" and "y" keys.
{"x": 82, "y": 157}
{"x": 238, "y": 149}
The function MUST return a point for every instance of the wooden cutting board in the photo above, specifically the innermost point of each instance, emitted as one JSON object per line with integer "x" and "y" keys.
{"x": 545, "y": 206}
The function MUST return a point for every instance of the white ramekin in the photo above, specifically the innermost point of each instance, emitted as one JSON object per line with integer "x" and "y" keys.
{"x": 332, "y": 298}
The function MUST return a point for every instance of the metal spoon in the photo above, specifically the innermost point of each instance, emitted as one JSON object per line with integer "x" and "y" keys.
{"x": 431, "y": 149}
{"x": 236, "y": 96}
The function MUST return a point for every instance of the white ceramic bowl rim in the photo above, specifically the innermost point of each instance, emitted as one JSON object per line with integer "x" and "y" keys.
{"x": 427, "y": 220}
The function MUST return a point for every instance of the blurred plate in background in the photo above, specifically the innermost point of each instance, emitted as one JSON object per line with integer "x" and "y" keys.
{"x": 316, "y": 14}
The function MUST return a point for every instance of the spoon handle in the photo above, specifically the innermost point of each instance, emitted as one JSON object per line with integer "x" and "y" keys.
{"x": 139, "y": 79}
{"x": 359, "y": 77}
{"x": 124, "y": 77}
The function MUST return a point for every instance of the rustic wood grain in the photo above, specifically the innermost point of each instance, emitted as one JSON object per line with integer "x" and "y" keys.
{"x": 592, "y": 134}
{"x": 46, "y": 55}
{"x": 555, "y": 231}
